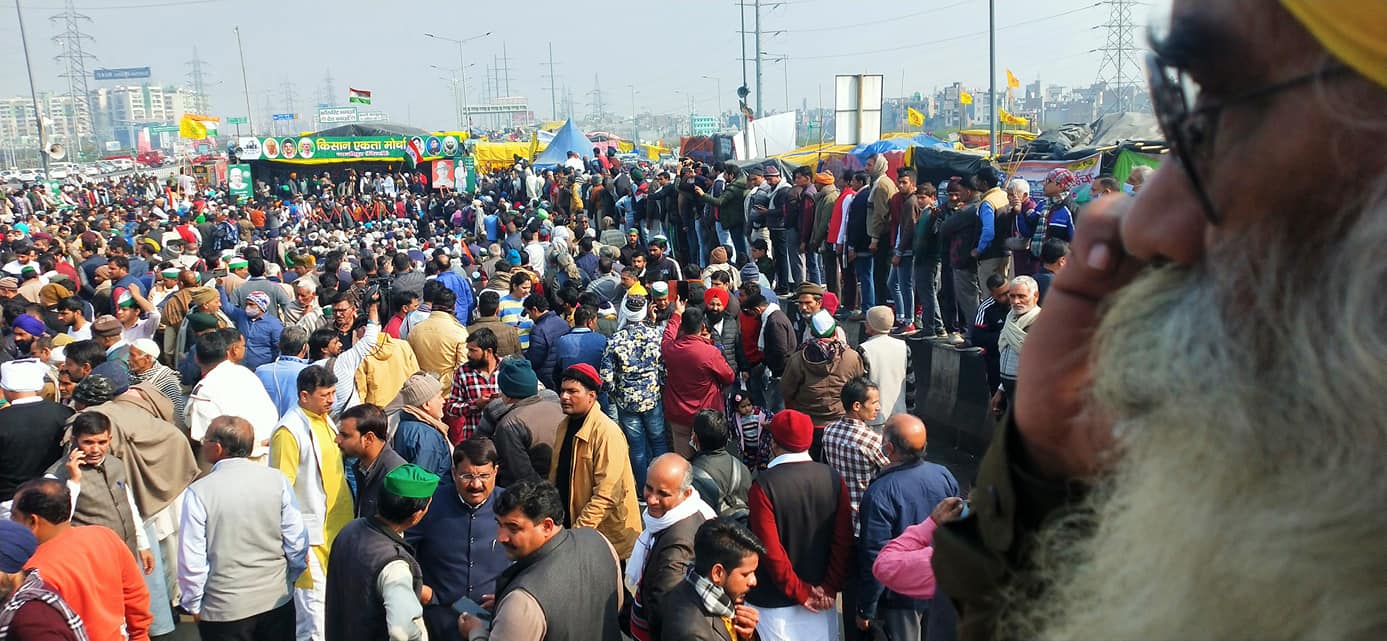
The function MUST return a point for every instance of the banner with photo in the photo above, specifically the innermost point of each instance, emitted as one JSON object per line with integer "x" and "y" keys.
{"x": 1086, "y": 169}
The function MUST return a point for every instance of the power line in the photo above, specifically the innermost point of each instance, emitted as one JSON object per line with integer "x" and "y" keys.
{"x": 151, "y": 5}
{"x": 881, "y": 21}
{"x": 201, "y": 102}
{"x": 1119, "y": 70}
{"x": 955, "y": 38}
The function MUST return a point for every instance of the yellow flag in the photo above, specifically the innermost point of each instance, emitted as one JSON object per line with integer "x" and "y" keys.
{"x": 1011, "y": 120}
{"x": 965, "y": 98}
{"x": 914, "y": 117}
{"x": 191, "y": 129}
{"x": 1011, "y": 80}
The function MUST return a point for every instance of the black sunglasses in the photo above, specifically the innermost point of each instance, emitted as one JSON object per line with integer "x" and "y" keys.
{"x": 1191, "y": 130}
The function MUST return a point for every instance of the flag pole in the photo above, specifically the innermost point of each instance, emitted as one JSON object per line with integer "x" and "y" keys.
{"x": 245, "y": 83}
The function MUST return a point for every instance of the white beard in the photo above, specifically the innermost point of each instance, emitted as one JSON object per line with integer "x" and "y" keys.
{"x": 1248, "y": 500}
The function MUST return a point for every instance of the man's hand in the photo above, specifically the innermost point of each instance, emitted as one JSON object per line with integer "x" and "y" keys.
{"x": 698, "y": 190}
{"x": 425, "y": 595}
{"x": 1063, "y": 435}
{"x": 998, "y": 399}
{"x": 895, "y": 261}
{"x": 863, "y": 624}
{"x": 74, "y": 466}
{"x": 948, "y": 510}
{"x": 744, "y": 620}
{"x": 973, "y": 253}
{"x": 481, "y": 403}
{"x": 467, "y": 624}
{"x": 488, "y": 602}
{"x": 802, "y": 249}
{"x": 147, "y": 561}
{"x": 679, "y": 306}
{"x": 872, "y": 246}
{"x": 852, "y": 254}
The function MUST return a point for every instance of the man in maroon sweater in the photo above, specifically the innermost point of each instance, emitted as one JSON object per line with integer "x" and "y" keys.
{"x": 799, "y": 508}
{"x": 696, "y": 374}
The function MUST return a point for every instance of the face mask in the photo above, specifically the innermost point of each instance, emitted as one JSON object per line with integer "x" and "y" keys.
{"x": 253, "y": 312}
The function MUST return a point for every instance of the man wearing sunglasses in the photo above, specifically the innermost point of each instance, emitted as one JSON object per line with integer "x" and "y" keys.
{"x": 1189, "y": 452}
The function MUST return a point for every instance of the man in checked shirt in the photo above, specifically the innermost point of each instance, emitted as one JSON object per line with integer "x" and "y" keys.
{"x": 854, "y": 450}
{"x": 473, "y": 386}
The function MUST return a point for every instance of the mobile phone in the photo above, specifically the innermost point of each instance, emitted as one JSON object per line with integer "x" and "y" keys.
{"x": 466, "y": 605}
{"x": 966, "y": 510}
{"x": 218, "y": 273}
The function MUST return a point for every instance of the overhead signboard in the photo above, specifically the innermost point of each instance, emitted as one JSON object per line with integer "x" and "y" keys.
{"x": 372, "y": 116}
{"x": 125, "y": 73}
{"x": 283, "y": 117}
{"x": 857, "y": 109}
{"x": 495, "y": 109}
{"x": 237, "y": 120}
{"x": 337, "y": 115}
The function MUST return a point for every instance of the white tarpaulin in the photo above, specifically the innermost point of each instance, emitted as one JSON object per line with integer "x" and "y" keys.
{"x": 767, "y": 136}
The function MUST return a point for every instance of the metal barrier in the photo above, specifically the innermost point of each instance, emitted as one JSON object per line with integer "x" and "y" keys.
{"x": 951, "y": 394}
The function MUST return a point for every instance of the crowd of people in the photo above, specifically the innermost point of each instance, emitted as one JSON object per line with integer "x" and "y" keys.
{"x": 569, "y": 405}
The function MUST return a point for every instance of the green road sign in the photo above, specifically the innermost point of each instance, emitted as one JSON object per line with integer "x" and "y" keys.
{"x": 237, "y": 120}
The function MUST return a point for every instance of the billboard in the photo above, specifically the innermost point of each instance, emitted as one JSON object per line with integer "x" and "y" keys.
{"x": 238, "y": 179}
{"x": 250, "y": 148}
{"x": 337, "y": 115}
{"x": 443, "y": 174}
{"x": 1086, "y": 169}
{"x": 126, "y": 73}
{"x": 857, "y": 109}
{"x": 372, "y": 116}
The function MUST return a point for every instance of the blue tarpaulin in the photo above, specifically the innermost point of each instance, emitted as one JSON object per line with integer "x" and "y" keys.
{"x": 567, "y": 139}
{"x": 898, "y": 144}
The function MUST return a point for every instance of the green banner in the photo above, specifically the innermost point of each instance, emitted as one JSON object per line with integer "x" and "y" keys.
{"x": 239, "y": 182}
{"x": 469, "y": 165}
{"x": 328, "y": 149}
{"x": 1127, "y": 159}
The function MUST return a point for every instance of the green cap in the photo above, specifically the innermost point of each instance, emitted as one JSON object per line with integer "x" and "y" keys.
{"x": 411, "y": 482}
{"x": 238, "y": 263}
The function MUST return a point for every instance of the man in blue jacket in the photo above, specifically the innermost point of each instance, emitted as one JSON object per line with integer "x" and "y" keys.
{"x": 901, "y": 495}
{"x": 455, "y": 544}
{"x": 543, "y": 352}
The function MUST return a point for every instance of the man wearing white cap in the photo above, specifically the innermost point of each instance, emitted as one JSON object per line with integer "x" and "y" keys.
{"x": 146, "y": 368}
{"x": 32, "y": 437}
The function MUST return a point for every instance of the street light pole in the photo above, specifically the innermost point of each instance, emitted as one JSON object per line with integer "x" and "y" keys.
{"x": 462, "y": 70}
{"x": 992, "y": 75}
{"x": 635, "y": 128}
{"x": 245, "y": 82}
{"x": 33, "y": 94}
{"x": 719, "y": 85}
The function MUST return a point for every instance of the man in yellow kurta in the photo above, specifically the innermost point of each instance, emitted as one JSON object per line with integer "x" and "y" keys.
{"x": 303, "y": 448}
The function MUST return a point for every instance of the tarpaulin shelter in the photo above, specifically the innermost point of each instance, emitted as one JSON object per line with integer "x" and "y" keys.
{"x": 938, "y": 165}
{"x": 500, "y": 155}
{"x": 567, "y": 139}
{"x": 898, "y": 143}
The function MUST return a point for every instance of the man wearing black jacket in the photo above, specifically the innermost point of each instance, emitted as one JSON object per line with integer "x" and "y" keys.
{"x": 960, "y": 233}
{"x": 987, "y": 326}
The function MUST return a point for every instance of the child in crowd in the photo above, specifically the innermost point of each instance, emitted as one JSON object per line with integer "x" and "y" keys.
{"x": 750, "y": 432}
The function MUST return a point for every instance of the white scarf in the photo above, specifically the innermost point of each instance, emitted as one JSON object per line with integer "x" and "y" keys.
{"x": 1014, "y": 332}
{"x": 692, "y": 505}
{"x": 761, "y": 337}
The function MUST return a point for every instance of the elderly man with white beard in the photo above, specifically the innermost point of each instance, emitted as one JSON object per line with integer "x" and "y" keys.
{"x": 1024, "y": 295}
{"x": 1193, "y": 452}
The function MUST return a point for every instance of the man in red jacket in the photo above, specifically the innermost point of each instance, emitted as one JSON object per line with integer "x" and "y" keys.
{"x": 696, "y": 373}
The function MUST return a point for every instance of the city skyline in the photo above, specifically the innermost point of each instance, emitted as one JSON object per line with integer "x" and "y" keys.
{"x": 939, "y": 44}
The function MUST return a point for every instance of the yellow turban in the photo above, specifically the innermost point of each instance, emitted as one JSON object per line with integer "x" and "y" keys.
{"x": 1355, "y": 31}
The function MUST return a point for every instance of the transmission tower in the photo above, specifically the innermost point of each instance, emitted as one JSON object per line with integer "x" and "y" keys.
{"x": 553, "y": 91}
{"x": 598, "y": 111}
{"x": 1120, "y": 72}
{"x": 74, "y": 59}
{"x": 201, "y": 102}
{"x": 329, "y": 89}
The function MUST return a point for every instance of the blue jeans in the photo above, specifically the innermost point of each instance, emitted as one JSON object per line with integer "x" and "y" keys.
{"x": 866, "y": 289}
{"x": 645, "y": 436}
{"x": 740, "y": 242}
{"x": 813, "y": 268}
{"x": 927, "y": 294}
{"x": 724, "y": 237}
{"x": 707, "y": 240}
{"x": 902, "y": 284}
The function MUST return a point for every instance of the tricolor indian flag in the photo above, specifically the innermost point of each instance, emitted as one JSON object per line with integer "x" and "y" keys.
{"x": 358, "y": 95}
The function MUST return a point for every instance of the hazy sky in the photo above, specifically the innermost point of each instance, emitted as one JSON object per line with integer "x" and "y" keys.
{"x": 661, "y": 46}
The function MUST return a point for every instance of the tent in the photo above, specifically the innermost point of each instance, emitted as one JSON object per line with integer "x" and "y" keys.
{"x": 938, "y": 165}
{"x": 898, "y": 143}
{"x": 566, "y": 140}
